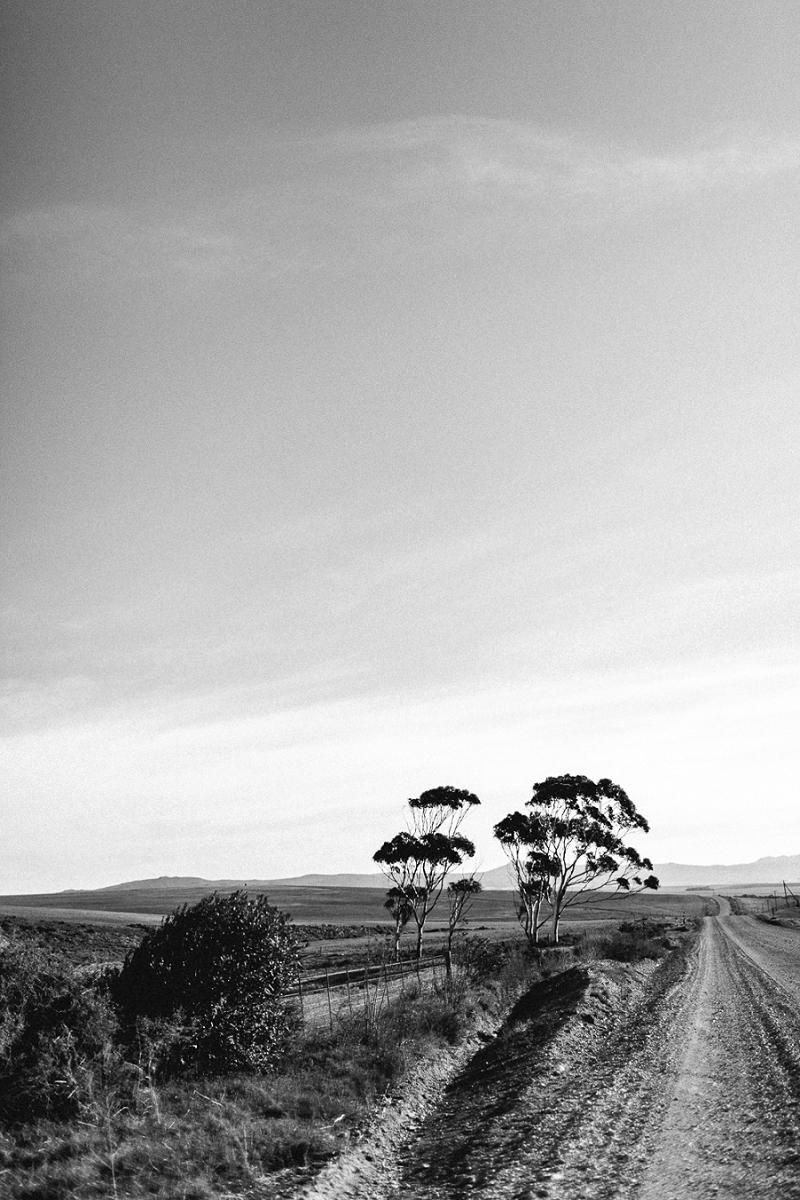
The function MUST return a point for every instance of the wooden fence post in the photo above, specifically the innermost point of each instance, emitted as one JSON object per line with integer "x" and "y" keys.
{"x": 328, "y": 991}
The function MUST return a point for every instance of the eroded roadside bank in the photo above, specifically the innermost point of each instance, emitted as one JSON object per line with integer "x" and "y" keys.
{"x": 463, "y": 1125}
{"x": 613, "y": 1082}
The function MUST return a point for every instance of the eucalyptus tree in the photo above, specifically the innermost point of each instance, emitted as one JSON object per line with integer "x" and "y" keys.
{"x": 520, "y": 834}
{"x": 586, "y": 826}
{"x": 399, "y": 905}
{"x": 571, "y": 842}
{"x": 461, "y": 894}
{"x": 417, "y": 861}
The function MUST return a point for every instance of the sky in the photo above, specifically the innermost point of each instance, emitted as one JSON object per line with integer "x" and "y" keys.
{"x": 395, "y": 393}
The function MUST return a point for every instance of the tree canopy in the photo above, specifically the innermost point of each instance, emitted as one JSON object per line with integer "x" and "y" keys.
{"x": 571, "y": 841}
{"x": 418, "y": 860}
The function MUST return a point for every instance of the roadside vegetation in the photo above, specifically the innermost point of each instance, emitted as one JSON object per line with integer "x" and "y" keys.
{"x": 186, "y": 1071}
{"x": 89, "y": 1112}
{"x": 94, "y": 1105}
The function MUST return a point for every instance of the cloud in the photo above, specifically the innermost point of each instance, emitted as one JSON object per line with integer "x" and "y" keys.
{"x": 97, "y": 242}
{"x": 318, "y": 786}
{"x": 516, "y": 157}
{"x": 330, "y": 200}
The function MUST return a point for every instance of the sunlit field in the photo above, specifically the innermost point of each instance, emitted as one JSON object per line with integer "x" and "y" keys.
{"x": 492, "y": 910}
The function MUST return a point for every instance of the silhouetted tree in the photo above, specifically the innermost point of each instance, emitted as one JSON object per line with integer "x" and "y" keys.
{"x": 460, "y": 896}
{"x": 401, "y": 907}
{"x": 521, "y": 835}
{"x": 417, "y": 861}
{"x": 584, "y": 824}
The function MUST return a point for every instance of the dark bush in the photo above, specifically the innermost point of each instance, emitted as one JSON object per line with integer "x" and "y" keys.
{"x": 56, "y": 1036}
{"x": 636, "y": 940}
{"x": 203, "y": 991}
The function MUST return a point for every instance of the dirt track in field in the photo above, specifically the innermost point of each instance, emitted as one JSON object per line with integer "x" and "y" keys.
{"x": 639, "y": 1083}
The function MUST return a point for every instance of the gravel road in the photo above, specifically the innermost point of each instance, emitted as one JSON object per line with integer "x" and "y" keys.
{"x": 618, "y": 1083}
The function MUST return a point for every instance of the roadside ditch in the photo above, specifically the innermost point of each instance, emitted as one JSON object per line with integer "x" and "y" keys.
{"x": 461, "y": 1121}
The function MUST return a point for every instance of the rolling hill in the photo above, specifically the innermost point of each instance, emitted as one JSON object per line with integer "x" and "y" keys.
{"x": 769, "y": 870}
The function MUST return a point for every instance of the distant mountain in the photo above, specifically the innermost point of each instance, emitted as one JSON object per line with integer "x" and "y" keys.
{"x": 343, "y": 881}
{"x": 165, "y": 882}
{"x": 168, "y": 882}
{"x": 763, "y": 870}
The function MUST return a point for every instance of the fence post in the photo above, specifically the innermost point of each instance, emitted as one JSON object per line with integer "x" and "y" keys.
{"x": 300, "y": 995}
{"x": 349, "y": 997}
{"x": 328, "y": 992}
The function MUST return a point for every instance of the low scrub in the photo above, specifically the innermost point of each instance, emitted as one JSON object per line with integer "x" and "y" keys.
{"x": 85, "y": 1122}
{"x": 57, "y": 1048}
{"x": 632, "y": 941}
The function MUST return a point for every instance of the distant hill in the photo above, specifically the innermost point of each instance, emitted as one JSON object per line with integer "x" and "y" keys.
{"x": 763, "y": 870}
{"x": 164, "y": 882}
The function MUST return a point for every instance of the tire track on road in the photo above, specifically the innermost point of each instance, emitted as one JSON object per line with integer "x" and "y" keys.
{"x": 732, "y": 1126}
{"x": 625, "y": 1083}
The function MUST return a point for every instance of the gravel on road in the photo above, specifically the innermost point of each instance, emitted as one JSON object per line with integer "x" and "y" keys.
{"x": 616, "y": 1082}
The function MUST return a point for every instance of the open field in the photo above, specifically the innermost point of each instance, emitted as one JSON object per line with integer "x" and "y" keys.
{"x": 342, "y": 927}
{"x": 342, "y": 906}
{"x": 749, "y": 889}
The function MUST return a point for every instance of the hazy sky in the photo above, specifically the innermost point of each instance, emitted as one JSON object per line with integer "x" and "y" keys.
{"x": 396, "y": 393}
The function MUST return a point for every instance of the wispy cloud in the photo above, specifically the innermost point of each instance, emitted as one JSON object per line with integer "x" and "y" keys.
{"x": 333, "y": 199}
{"x": 515, "y": 159}
{"x": 97, "y": 242}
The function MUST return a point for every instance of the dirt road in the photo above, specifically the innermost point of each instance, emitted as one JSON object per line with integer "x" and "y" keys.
{"x": 732, "y": 1126}
{"x": 694, "y": 1092}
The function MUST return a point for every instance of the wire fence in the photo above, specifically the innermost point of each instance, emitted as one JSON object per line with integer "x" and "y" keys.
{"x": 783, "y": 902}
{"x": 327, "y": 997}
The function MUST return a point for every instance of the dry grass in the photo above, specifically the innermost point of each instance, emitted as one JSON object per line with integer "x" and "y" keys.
{"x": 251, "y": 1135}
{"x": 197, "y": 1138}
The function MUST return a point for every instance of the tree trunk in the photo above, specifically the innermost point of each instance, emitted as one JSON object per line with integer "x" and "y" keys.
{"x": 559, "y": 897}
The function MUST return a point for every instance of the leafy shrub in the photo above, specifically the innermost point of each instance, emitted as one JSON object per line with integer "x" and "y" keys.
{"x": 56, "y": 1036}
{"x": 636, "y": 940}
{"x": 508, "y": 965}
{"x": 203, "y": 991}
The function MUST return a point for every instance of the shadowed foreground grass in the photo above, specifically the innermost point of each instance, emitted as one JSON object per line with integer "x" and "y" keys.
{"x": 129, "y": 1135}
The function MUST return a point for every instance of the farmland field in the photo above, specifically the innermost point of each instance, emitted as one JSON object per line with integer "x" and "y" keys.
{"x": 341, "y": 906}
